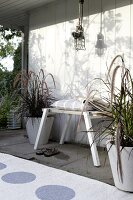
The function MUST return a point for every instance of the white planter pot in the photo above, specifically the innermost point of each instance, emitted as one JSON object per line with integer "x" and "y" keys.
{"x": 32, "y": 127}
{"x": 127, "y": 167}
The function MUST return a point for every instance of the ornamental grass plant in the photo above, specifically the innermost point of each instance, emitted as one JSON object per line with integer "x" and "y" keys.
{"x": 118, "y": 108}
{"x": 34, "y": 92}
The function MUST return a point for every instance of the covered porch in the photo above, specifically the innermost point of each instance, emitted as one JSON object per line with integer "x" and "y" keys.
{"x": 47, "y": 27}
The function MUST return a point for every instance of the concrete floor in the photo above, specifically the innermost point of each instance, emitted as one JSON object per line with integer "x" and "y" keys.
{"x": 75, "y": 158}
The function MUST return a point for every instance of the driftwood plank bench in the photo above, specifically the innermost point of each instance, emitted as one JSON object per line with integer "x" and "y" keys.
{"x": 88, "y": 116}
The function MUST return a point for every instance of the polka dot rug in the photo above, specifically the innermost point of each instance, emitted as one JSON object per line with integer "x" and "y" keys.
{"x": 25, "y": 180}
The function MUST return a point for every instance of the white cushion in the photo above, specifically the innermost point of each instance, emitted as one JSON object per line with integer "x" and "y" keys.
{"x": 71, "y": 104}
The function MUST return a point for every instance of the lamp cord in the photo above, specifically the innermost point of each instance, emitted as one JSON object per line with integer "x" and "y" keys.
{"x": 130, "y": 33}
{"x": 115, "y": 27}
{"x": 101, "y": 17}
{"x": 81, "y": 12}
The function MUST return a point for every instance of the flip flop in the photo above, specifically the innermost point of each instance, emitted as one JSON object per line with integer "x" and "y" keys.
{"x": 40, "y": 152}
{"x": 50, "y": 152}
{"x": 47, "y": 152}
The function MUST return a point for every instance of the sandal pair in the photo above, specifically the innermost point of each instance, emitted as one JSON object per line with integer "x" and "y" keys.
{"x": 47, "y": 152}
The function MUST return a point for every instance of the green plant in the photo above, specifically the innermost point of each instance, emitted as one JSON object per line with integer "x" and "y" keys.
{"x": 34, "y": 92}
{"x": 121, "y": 104}
{"x": 8, "y": 41}
{"x": 118, "y": 108}
{"x": 17, "y": 59}
{"x": 4, "y": 110}
{"x": 5, "y": 105}
{"x": 6, "y": 93}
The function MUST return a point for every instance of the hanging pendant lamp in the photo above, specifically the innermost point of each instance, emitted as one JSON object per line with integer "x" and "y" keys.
{"x": 78, "y": 35}
{"x": 100, "y": 44}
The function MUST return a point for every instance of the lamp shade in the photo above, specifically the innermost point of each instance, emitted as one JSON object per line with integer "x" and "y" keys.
{"x": 100, "y": 44}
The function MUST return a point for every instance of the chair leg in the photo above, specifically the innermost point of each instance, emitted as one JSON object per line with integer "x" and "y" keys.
{"x": 41, "y": 128}
{"x": 65, "y": 129}
{"x": 94, "y": 151}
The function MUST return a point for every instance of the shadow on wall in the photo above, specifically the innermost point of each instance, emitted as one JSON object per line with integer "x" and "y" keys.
{"x": 79, "y": 67}
{"x": 117, "y": 25}
{"x": 36, "y": 55}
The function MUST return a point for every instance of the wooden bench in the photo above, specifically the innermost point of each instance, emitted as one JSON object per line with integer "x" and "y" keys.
{"x": 88, "y": 116}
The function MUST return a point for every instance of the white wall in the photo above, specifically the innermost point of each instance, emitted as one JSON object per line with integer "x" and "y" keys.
{"x": 51, "y": 44}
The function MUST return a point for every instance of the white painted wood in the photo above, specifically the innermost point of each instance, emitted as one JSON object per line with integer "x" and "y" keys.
{"x": 60, "y": 111}
{"x": 14, "y": 13}
{"x": 93, "y": 147}
{"x": 93, "y": 114}
{"x": 66, "y": 126}
{"x": 54, "y": 50}
{"x": 87, "y": 117}
{"x": 41, "y": 128}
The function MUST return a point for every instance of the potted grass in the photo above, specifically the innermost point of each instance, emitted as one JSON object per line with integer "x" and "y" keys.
{"x": 120, "y": 129}
{"x": 35, "y": 95}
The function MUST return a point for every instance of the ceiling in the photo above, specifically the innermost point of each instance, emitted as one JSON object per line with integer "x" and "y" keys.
{"x": 14, "y": 13}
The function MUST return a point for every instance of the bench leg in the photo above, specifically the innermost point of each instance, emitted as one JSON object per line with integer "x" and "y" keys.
{"x": 41, "y": 128}
{"x": 66, "y": 126}
{"x": 94, "y": 151}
